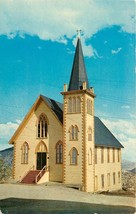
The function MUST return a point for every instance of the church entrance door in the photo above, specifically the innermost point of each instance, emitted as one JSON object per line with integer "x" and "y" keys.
{"x": 41, "y": 160}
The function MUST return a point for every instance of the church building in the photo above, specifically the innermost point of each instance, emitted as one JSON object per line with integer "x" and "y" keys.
{"x": 65, "y": 142}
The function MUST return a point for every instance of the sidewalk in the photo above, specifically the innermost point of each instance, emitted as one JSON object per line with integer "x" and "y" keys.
{"x": 60, "y": 192}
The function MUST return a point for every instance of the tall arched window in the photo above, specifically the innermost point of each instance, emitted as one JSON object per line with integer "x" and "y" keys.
{"x": 73, "y": 131}
{"x": 89, "y": 133}
{"x": 73, "y": 156}
{"x": 24, "y": 155}
{"x": 59, "y": 152}
{"x": 42, "y": 127}
{"x": 90, "y": 156}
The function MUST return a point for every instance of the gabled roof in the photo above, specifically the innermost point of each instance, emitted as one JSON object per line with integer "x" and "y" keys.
{"x": 78, "y": 74}
{"x": 103, "y": 136}
{"x": 55, "y": 107}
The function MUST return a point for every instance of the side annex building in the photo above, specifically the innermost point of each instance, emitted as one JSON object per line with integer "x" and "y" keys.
{"x": 66, "y": 142}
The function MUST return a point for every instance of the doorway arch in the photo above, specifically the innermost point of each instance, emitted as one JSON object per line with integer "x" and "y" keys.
{"x": 41, "y": 155}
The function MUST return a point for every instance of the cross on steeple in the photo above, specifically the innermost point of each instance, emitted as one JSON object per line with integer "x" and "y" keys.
{"x": 79, "y": 33}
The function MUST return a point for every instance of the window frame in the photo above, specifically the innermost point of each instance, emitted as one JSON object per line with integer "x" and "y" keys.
{"x": 59, "y": 153}
{"x": 74, "y": 105}
{"x": 24, "y": 153}
{"x": 73, "y": 156}
{"x": 42, "y": 126}
{"x": 73, "y": 133}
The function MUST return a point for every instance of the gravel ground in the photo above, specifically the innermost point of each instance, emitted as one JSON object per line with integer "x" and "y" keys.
{"x": 60, "y": 192}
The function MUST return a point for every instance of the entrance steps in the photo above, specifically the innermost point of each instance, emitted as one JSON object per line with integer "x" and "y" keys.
{"x": 31, "y": 177}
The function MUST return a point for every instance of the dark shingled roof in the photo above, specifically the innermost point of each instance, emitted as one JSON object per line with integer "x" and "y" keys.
{"x": 103, "y": 137}
{"x": 78, "y": 74}
{"x": 55, "y": 106}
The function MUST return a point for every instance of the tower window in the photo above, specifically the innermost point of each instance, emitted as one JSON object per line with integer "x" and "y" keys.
{"x": 74, "y": 105}
{"x": 59, "y": 152}
{"x": 89, "y": 134}
{"x": 24, "y": 155}
{"x": 73, "y": 131}
{"x": 73, "y": 156}
{"x": 42, "y": 127}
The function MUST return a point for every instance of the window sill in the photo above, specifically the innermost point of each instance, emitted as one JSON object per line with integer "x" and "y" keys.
{"x": 59, "y": 163}
{"x": 42, "y": 138}
{"x": 24, "y": 163}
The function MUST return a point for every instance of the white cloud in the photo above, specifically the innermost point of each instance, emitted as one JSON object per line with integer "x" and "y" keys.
{"x": 7, "y": 129}
{"x": 116, "y": 51}
{"x": 125, "y": 107}
{"x": 58, "y": 20}
{"x": 124, "y": 131}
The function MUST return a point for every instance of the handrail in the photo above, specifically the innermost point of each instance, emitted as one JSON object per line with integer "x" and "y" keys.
{"x": 32, "y": 167}
{"x": 40, "y": 173}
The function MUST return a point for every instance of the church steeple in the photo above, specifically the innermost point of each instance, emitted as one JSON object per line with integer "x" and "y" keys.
{"x": 78, "y": 74}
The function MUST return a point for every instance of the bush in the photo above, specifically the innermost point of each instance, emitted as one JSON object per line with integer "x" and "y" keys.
{"x": 5, "y": 171}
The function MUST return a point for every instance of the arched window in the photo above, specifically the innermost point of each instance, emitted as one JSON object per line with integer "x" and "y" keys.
{"x": 73, "y": 156}
{"x": 59, "y": 152}
{"x": 90, "y": 156}
{"x": 89, "y": 133}
{"x": 73, "y": 131}
{"x": 24, "y": 155}
{"x": 42, "y": 127}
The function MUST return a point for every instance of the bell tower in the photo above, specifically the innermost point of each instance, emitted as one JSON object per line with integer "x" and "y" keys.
{"x": 78, "y": 127}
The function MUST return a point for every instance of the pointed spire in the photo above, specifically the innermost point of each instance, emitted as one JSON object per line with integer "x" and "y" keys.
{"x": 78, "y": 74}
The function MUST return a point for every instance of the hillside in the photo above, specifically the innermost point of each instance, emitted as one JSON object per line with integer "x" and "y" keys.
{"x": 128, "y": 165}
{"x": 7, "y": 156}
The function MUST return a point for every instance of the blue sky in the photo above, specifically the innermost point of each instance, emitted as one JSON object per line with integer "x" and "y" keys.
{"x": 37, "y": 44}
